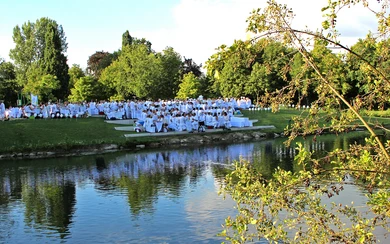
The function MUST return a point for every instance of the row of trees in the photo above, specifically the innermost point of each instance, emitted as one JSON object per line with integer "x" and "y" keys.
{"x": 255, "y": 67}
{"x": 40, "y": 67}
{"x": 246, "y": 68}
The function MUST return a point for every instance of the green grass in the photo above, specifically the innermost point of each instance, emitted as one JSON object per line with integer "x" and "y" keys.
{"x": 280, "y": 119}
{"x": 26, "y": 135}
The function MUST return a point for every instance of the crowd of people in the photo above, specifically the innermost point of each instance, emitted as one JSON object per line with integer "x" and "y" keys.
{"x": 44, "y": 111}
{"x": 152, "y": 116}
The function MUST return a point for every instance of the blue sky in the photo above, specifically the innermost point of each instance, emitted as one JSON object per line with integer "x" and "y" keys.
{"x": 194, "y": 28}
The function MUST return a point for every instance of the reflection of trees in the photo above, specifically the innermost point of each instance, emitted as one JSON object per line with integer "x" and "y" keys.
{"x": 50, "y": 204}
{"x": 144, "y": 189}
{"x": 195, "y": 173}
{"x": 220, "y": 171}
{"x": 173, "y": 179}
{"x": 270, "y": 155}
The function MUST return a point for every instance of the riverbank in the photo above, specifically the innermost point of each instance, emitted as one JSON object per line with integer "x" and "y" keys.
{"x": 148, "y": 142}
{"x": 70, "y": 137}
{"x": 29, "y": 137}
{"x": 181, "y": 140}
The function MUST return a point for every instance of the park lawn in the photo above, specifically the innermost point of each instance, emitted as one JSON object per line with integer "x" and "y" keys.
{"x": 279, "y": 119}
{"x": 282, "y": 118}
{"x": 30, "y": 135}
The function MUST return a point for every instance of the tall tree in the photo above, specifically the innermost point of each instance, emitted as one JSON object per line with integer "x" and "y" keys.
{"x": 100, "y": 60}
{"x": 42, "y": 85}
{"x": 86, "y": 88}
{"x": 231, "y": 67}
{"x": 258, "y": 81}
{"x": 189, "y": 87}
{"x": 8, "y": 86}
{"x": 75, "y": 73}
{"x": 41, "y": 45}
{"x": 361, "y": 78}
{"x": 171, "y": 77}
{"x": 189, "y": 66}
{"x": 137, "y": 72}
{"x": 112, "y": 81}
{"x": 126, "y": 39}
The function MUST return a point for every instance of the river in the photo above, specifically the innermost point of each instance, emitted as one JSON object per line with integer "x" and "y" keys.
{"x": 159, "y": 196}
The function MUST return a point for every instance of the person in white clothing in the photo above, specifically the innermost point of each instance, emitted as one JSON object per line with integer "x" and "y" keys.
{"x": 215, "y": 122}
{"x": 226, "y": 118}
{"x": 188, "y": 123}
{"x": 202, "y": 122}
{"x": 149, "y": 125}
{"x": 2, "y": 110}
{"x": 7, "y": 113}
{"x": 209, "y": 119}
{"x": 133, "y": 110}
{"x": 44, "y": 111}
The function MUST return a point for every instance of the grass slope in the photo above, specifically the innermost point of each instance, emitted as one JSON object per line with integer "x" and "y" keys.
{"x": 26, "y": 135}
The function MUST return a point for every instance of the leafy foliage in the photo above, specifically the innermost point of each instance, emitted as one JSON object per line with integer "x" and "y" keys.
{"x": 289, "y": 207}
{"x": 136, "y": 72}
{"x": 98, "y": 61}
{"x": 249, "y": 68}
{"x": 41, "y": 84}
{"x": 189, "y": 66}
{"x": 126, "y": 39}
{"x": 86, "y": 88}
{"x": 189, "y": 88}
{"x": 75, "y": 72}
{"x": 40, "y": 48}
{"x": 171, "y": 76}
{"x": 8, "y": 84}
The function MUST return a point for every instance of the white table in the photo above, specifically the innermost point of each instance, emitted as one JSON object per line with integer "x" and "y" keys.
{"x": 240, "y": 122}
{"x": 116, "y": 115}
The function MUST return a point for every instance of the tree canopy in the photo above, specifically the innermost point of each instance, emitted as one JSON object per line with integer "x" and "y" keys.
{"x": 8, "y": 85}
{"x": 40, "y": 49}
{"x": 249, "y": 68}
{"x": 289, "y": 207}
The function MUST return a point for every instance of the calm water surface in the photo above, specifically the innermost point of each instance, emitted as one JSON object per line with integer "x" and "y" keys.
{"x": 147, "y": 197}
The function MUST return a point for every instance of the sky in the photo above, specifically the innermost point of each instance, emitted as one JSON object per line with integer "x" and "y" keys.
{"x": 194, "y": 28}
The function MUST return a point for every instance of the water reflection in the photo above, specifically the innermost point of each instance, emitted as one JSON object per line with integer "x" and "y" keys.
{"x": 162, "y": 190}
{"x": 49, "y": 205}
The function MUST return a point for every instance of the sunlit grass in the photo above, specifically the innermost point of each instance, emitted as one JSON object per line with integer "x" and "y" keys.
{"x": 22, "y": 135}
{"x": 283, "y": 117}
{"x": 279, "y": 119}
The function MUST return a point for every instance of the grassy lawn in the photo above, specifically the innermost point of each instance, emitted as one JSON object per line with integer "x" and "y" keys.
{"x": 280, "y": 119}
{"x": 25, "y": 135}
{"x": 33, "y": 135}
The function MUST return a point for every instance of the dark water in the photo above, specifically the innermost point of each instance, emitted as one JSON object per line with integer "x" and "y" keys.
{"x": 148, "y": 197}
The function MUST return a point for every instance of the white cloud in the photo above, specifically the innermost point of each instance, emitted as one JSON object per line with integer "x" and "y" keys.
{"x": 6, "y": 45}
{"x": 203, "y": 25}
